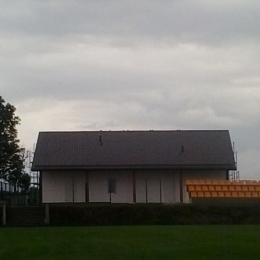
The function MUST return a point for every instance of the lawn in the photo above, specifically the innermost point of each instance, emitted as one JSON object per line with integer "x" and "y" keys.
{"x": 132, "y": 242}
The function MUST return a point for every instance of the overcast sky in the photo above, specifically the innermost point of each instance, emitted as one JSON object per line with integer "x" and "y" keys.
{"x": 134, "y": 65}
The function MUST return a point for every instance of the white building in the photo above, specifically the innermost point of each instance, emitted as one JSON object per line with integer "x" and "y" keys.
{"x": 128, "y": 166}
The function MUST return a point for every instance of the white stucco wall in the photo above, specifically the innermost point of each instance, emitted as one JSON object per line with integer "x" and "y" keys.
{"x": 151, "y": 186}
{"x": 171, "y": 187}
{"x": 63, "y": 186}
{"x": 168, "y": 180}
{"x": 98, "y": 186}
{"x": 79, "y": 186}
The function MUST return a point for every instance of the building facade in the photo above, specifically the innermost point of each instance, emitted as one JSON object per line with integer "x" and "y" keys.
{"x": 129, "y": 166}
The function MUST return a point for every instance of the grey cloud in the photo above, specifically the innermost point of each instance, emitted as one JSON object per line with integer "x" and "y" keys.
{"x": 184, "y": 21}
{"x": 92, "y": 65}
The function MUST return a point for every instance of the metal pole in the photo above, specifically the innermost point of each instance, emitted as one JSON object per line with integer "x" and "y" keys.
{"x": 181, "y": 186}
{"x": 47, "y": 214}
{"x": 1, "y": 191}
{"x": 146, "y": 194}
{"x": 73, "y": 188}
{"x": 160, "y": 190}
{"x": 4, "y": 215}
{"x": 134, "y": 187}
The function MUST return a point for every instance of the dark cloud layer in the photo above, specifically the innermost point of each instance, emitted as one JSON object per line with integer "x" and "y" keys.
{"x": 91, "y": 65}
{"x": 186, "y": 20}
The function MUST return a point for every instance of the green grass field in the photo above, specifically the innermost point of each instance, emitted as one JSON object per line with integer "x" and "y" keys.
{"x": 133, "y": 242}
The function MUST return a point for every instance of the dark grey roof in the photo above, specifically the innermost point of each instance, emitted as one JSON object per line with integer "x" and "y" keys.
{"x": 134, "y": 149}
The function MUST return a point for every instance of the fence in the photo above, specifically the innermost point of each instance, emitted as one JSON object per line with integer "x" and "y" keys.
{"x": 15, "y": 196}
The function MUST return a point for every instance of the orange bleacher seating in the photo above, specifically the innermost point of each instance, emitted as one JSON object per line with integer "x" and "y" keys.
{"x": 221, "y": 194}
{"x": 238, "y": 188}
{"x": 227, "y": 194}
{"x": 224, "y": 182}
{"x": 201, "y": 194}
{"x": 207, "y": 194}
{"x": 231, "y": 188}
{"x": 211, "y": 188}
{"x": 214, "y": 194}
{"x": 241, "y": 194}
{"x": 218, "y": 188}
{"x": 234, "y": 194}
{"x": 225, "y": 188}
{"x": 188, "y": 182}
{"x": 205, "y": 188}
{"x": 197, "y": 187}
{"x": 251, "y": 188}
{"x": 254, "y": 194}
{"x": 248, "y": 194}
{"x": 191, "y": 188}
{"x": 193, "y": 194}
{"x": 244, "y": 188}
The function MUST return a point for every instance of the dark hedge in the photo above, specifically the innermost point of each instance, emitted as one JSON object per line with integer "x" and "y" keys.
{"x": 180, "y": 214}
{"x": 1, "y": 214}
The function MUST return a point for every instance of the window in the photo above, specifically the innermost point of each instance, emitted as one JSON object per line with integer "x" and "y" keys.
{"x": 111, "y": 185}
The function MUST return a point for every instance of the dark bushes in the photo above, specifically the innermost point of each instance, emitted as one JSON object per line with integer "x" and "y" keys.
{"x": 180, "y": 214}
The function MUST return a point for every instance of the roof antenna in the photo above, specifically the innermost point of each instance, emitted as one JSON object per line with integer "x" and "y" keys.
{"x": 100, "y": 140}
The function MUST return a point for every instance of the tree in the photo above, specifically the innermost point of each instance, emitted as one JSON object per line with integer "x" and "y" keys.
{"x": 12, "y": 156}
{"x": 24, "y": 182}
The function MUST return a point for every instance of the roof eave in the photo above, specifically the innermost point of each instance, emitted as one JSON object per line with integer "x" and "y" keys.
{"x": 133, "y": 167}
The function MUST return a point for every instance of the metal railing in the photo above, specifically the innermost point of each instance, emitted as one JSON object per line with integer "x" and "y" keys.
{"x": 15, "y": 196}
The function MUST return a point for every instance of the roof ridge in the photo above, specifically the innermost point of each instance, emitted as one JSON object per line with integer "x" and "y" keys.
{"x": 135, "y": 131}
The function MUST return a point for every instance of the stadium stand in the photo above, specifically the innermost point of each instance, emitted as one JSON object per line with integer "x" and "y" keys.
{"x": 223, "y": 189}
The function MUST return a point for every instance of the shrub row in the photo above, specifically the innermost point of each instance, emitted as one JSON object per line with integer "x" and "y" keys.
{"x": 1, "y": 214}
{"x": 181, "y": 214}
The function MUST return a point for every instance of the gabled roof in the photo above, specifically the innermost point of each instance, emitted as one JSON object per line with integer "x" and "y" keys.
{"x": 194, "y": 149}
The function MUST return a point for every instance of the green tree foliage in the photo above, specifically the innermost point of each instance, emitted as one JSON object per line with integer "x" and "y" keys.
{"x": 12, "y": 156}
